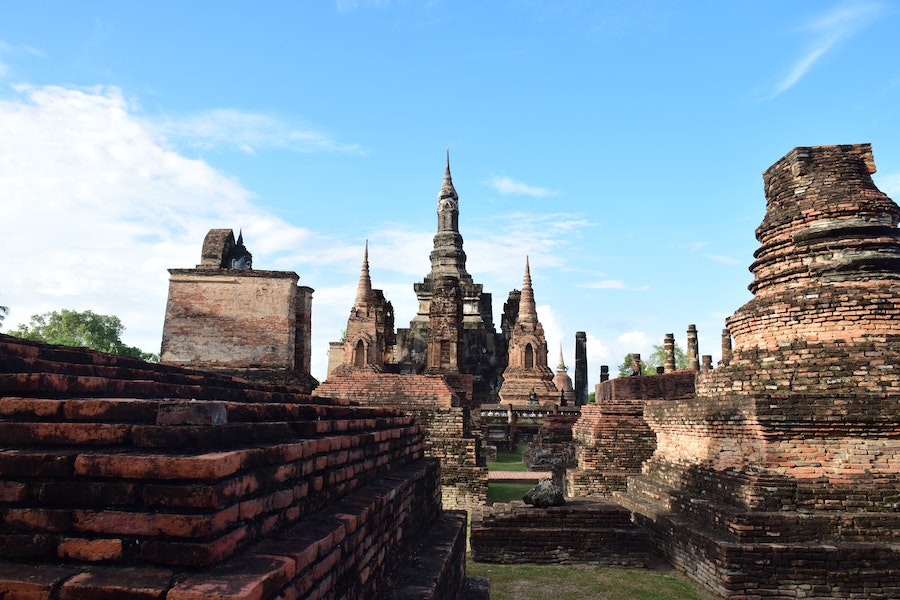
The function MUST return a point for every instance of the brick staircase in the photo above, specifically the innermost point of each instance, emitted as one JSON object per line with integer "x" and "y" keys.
{"x": 125, "y": 479}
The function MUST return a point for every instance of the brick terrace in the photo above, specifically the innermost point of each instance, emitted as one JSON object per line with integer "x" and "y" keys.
{"x": 130, "y": 480}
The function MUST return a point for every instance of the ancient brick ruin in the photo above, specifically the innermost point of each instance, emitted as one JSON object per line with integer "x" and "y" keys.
{"x": 563, "y": 383}
{"x": 453, "y": 329}
{"x": 442, "y": 405}
{"x": 612, "y": 438}
{"x": 369, "y": 339}
{"x": 128, "y": 480}
{"x": 527, "y": 379}
{"x": 774, "y": 475}
{"x": 224, "y": 315}
{"x": 780, "y": 477}
{"x": 581, "y": 531}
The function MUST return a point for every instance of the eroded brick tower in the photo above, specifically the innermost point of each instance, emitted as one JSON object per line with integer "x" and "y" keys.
{"x": 369, "y": 339}
{"x": 478, "y": 349}
{"x": 527, "y": 378}
{"x": 781, "y": 476}
{"x": 224, "y": 315}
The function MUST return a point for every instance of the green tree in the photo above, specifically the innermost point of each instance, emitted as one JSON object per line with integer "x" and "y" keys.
{"x": 657, "y": 358}
{"x": 81, "y": 329}
{"x": 4, "y": 310}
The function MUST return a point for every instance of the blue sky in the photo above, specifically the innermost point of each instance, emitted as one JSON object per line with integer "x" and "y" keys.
{"x": 619, "y": 145}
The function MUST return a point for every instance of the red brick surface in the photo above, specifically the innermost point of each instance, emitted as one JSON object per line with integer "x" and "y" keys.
{"x": 152, "y": 496}
{"x": 780, "y": 476}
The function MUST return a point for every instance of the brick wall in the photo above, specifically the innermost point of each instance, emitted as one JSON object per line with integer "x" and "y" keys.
{"x": 442, "y": 406}
{"x": 125, "y": 476}
{"x": 578, "y": 532}
{"x": 780, "y": 477}
{"x": 612, "y": 438}
{"x": 252, "y": 322}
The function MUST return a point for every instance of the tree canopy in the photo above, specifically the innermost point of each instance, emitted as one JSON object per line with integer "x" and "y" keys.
{"x": 656, "y": 358}
{"x": 80, "y": 329}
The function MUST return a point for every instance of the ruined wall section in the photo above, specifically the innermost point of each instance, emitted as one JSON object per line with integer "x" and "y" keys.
{"x": 121, "y": 478}
{"x": 230, "y": 319}
{"x": 451, "y": 427}
{"x": 612, "y": 439}
{"x": 781, "y": 475}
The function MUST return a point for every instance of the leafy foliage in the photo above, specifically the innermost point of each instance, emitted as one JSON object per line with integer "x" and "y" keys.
{"x": 80, "y": 329}
{"x": 4, "y": 310}
{"x": 656, "y": 358}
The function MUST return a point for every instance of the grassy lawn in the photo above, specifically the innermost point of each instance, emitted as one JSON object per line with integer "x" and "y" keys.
{"x": 574, "y": 582}
{"x": 511, "y": 461}
{"x": 501, "y": 491}
{"x": 578, "y": 582}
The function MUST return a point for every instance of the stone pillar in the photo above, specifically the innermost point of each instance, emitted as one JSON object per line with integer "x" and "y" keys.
{"x": 693, "y": 351}
{"x": 581, "y": 369}
{"x": 604, "y": 373}
{"x": 669, "y": 348}
{"x": 706, "y": 365}
{"x": 726, "y": 346}
{"x": 660, "y": 370}
{"x": 635, "y": 364}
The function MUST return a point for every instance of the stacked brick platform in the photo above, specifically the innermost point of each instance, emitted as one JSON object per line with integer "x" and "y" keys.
{"x": 554, "y": 437}
{"x": 124, "y": 479}
{"x": 581, "y": 531}
{"x": 441, "y": 404}
{"x": 612, "y": 439}
{"x": 781, "y": 478}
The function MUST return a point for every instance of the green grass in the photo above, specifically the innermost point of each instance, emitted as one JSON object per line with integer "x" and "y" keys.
{"x": 501, "y": 491}
{"x": 511, "y": 461}
{"x": 577, "y": 582}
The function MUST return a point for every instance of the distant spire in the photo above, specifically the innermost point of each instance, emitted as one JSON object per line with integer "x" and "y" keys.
{"x": 364, "y": 289}
{"x": 447, "y": 189}
{"x": 527, "y": 307}
{"x": 562, "y": 365}
{"x": 240, "y": 240}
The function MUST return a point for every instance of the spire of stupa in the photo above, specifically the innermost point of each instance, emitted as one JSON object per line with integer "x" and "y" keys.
{"x": 562, "y": 365}
{"x": 364, "y": 288}
{"x": 527, "y": 307}
{"x": 447, "y": 189}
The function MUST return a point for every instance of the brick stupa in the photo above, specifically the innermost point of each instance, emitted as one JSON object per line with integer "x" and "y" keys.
{"x": 527, "y": 378}
{"x": 781, "y": 477}
{"x": 369, "y": 338}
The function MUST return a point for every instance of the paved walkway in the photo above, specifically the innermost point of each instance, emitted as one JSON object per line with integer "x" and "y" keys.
{"x": 518, "y": 475}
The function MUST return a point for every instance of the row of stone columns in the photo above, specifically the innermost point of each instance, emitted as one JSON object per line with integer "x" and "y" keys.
{"x": 695, "y": 360}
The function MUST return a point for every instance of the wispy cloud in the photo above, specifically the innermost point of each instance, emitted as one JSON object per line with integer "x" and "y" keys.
{"x": 11, "y": 49}
{"x": 612, "y": 284}
{"x": 346, "y": 6}
{"x": 98, "y": 207}
{"x": 827, "y": 31}
{"x": 249, "y": 132}
{"x": 725, "y": 260}
{"x": 889, "y": 183}
{"x": 510, "y": 187}
{"x": 690, "y": 246}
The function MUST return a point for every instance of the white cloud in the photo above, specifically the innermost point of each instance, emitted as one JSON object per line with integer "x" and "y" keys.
{"x": 691, "y": 246}
{"x": 97, "y": 207}
{"x": 606, "y": 284}
{"x": 612, "y": 284}
{"x": 508, "y": 186}
{"x": 636, "y": 339}
{"x": 725, "y": 260}
{"x": 889, "y": 183}
{"x": 828, "y": 30}
{"x": 551, "y": 321}
{"x": 11, "y": 49}
{"x": 250, "y": 131}
{"x": 346, "y": 6}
